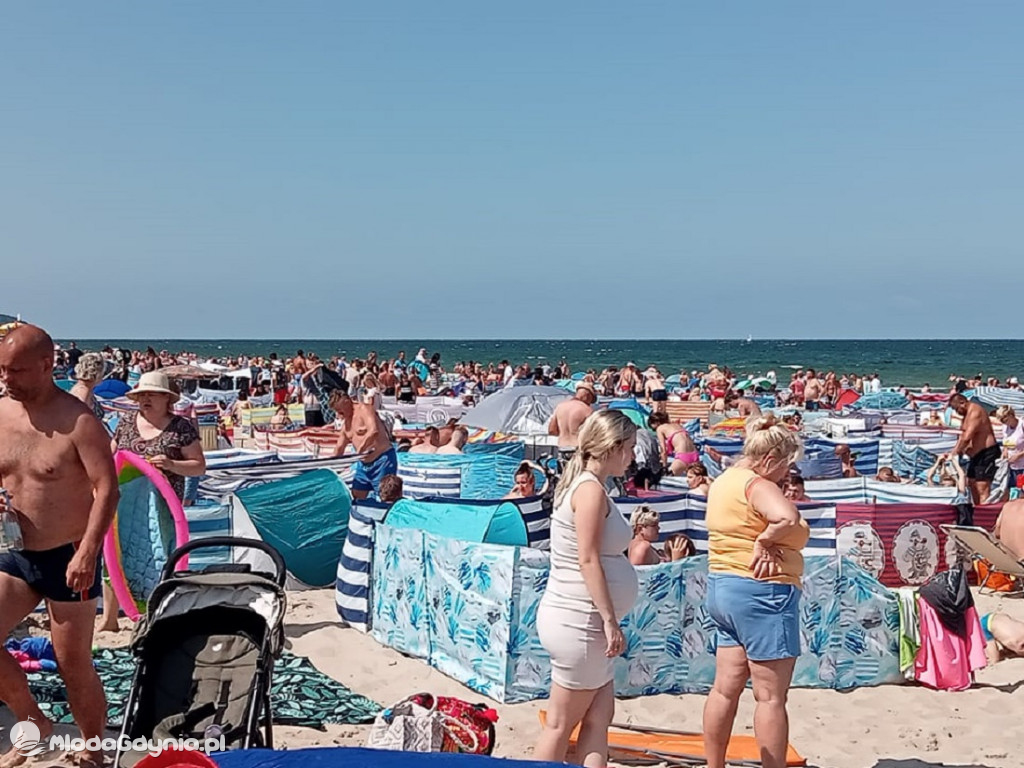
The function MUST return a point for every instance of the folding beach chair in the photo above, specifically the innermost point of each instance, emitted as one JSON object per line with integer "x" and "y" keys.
{"x": 984, "y": 546}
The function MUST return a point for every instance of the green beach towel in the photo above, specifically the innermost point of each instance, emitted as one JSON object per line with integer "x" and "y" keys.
{"x": 300, "y": 694}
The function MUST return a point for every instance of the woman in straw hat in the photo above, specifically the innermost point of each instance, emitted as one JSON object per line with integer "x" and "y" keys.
{"x": 167, "y": 441}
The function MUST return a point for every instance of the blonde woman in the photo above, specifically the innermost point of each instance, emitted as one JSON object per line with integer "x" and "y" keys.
{"x": 592, "y": 585}
{"x": 1013, "y": 441}
{"x": 646, "y": 525}
{"x": 755, "y": 538}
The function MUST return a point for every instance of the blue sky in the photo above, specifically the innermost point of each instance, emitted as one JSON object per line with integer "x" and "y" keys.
{"x": 517, "y": 170}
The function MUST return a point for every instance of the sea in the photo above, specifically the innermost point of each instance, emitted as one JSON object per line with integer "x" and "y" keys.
{"x": 897, "y": 362}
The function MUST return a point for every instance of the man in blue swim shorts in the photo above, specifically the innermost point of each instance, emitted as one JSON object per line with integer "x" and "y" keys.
{"x": 363, "y": 429}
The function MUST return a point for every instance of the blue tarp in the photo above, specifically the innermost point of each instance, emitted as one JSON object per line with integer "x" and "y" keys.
{"x": 481, "y": 522}
{"x": 305, "y": 518}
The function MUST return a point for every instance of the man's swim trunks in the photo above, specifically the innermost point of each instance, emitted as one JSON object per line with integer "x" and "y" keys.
{"x": 46, "y": 572}
{"x": 368, "y": 476}
{"x": 982, "y": 465}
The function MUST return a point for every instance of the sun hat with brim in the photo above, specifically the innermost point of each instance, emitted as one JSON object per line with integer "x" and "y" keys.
{"x": 155, "y": 382}
{"x": 586, "y": 386}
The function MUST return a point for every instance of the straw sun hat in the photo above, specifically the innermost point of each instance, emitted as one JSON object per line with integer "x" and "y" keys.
{"x": 154, "y": 381}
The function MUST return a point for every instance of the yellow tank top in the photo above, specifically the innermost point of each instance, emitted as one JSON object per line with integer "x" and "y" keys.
{"x": 733, "y": 525}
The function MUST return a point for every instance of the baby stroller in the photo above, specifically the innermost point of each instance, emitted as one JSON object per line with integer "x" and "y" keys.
{"x": 205, "y": 653}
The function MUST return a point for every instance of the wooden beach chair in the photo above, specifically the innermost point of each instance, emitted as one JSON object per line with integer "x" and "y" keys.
{"x": 982, "y": 545}
{"x": 645, "y": 745}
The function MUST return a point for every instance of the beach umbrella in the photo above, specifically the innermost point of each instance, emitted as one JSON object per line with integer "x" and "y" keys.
{"x": 187, "y": 372}
{"x": 521, "y": 410}
{"x": 757, "y": 381}
{"x": 8, "y": 327}
{"x": 110, "y": 388}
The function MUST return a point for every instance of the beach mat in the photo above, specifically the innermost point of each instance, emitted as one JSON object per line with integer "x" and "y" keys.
{"x": 647, "y": 742}
{"x": 332, "y": 757}
{"x": 300, "y": 694}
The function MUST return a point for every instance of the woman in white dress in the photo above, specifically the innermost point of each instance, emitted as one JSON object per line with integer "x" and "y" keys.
{"x": 591, "y": 587}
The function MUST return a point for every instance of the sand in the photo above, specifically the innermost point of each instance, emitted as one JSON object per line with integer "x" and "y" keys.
{"x": 905, "y": 726}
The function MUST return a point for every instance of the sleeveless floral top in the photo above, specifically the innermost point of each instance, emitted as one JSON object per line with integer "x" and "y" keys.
{"x": 179, "y": 433}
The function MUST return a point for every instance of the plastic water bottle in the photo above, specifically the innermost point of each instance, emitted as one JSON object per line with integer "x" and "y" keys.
{"x": 10, "y": 528}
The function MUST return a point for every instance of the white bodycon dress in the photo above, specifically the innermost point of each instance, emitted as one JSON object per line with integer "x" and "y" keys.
{"x": 568, "y": 623}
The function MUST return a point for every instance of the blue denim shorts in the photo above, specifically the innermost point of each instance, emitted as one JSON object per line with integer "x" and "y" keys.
{"x": 762, "y": 617}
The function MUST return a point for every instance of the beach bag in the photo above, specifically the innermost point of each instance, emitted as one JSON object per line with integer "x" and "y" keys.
{"x": 949, "y": 594}
{"x": 997, "y": 582}
{"x": 409, "y": 726}
{"x": 471, "y": 725}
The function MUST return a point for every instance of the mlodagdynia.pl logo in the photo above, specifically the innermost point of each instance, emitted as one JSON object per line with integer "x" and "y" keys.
{"x": 25, "y": 738}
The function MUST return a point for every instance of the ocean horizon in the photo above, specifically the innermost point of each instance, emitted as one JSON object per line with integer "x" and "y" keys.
{"x": 910, "y": 362}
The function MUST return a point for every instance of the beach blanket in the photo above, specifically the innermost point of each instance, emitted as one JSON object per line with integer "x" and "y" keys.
{"x": 300, "y": 694}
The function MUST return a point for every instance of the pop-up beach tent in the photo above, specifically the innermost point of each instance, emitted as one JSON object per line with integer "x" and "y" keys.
{"x": 484, "y": 522}
{"x": 519, "y": 410}
{"x": 305, "y": 518}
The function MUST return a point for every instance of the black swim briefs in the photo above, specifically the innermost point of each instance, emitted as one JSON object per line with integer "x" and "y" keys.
{"x": 46, "y": 572}
{"x": 982, "y": 465}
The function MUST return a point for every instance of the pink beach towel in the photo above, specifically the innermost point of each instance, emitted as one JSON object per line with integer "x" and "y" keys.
{"x": 945, "y": 661}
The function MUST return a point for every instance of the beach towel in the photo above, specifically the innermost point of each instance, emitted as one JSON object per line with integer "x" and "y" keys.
{"x": 33, "y": 654}
{"x": 910, "y": 629}
{"x": 300, "y": 695}
{"x": 946, "y": 661}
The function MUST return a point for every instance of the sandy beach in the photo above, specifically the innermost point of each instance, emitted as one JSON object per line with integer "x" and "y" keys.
{"x": 886, "y": 727}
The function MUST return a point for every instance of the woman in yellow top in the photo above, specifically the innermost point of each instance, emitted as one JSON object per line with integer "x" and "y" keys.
{"x": 755, "y": 538}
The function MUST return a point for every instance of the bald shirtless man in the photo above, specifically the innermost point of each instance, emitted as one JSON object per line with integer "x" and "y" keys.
{"x": 978, "y": 442}
{"x": 570, "y": 414}
{"x": 363, "y": 429}
{"x": 55, "y": 462}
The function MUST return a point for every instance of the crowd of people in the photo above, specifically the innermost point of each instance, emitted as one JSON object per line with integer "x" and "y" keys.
{"x": 56, "y": 464}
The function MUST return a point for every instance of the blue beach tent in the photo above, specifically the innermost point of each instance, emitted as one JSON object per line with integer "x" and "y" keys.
{"x": 483, "y": 522}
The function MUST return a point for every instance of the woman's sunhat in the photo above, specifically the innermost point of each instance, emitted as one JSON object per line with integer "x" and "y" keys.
{"x": 154, "y": 381}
